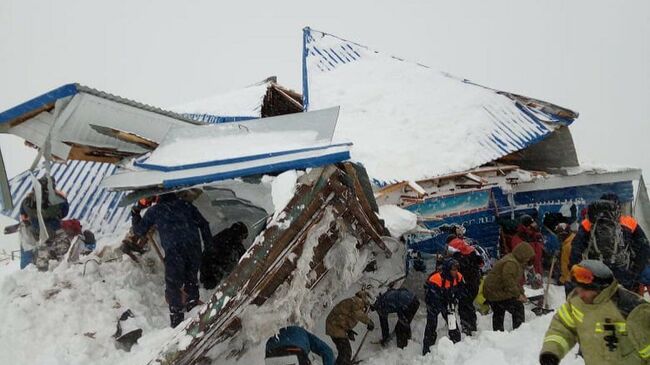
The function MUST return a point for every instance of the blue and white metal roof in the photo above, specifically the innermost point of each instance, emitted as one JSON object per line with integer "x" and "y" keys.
{"x": 408, "y": 121}
{"x": 95, "y": 206}
{"x": 204, "y": 154}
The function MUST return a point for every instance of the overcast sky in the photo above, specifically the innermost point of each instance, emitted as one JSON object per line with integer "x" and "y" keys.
{"x": 591, "y": 56}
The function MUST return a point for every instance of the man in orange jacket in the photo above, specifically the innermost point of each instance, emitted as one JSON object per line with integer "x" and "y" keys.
{"x": 444, "y": 290}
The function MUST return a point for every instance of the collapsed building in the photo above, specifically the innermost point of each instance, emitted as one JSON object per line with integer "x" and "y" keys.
{"x": 453, "y": 151}
{"x": 447, "y": 149}
{"x": 80, "y": 165}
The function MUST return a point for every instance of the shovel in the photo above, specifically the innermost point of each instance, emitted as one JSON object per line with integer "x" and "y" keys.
{"x": 543, "y": 309}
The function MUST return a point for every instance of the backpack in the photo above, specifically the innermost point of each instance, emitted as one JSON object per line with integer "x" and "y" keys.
{"x": 606, "y": 242}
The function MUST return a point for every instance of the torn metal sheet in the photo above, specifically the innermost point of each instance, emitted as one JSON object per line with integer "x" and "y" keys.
{"x": 65, "y": 116}
{"x": 199, "y": 155}
{"x": 329, "y": 202}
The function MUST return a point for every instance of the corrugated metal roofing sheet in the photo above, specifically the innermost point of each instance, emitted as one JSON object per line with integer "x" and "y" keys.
{"x": 50, "y": 97}
{"x": 410, "y": 122}
{"x": 199, "y": 155}
{"x": 96, "y": 207}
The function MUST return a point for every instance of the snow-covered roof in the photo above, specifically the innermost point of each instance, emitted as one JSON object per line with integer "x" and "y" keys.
{"x": 235, "y": 105}
{"x": 408, "y": 121}
{"x": 204, "y": 154}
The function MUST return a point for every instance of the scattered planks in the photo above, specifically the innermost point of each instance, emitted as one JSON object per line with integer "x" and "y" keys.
{"x": 332, "y": 197}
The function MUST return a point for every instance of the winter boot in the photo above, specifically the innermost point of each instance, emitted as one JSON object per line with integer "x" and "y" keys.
{"x": 191, "y": 304}
{"x": 176, "y": 319}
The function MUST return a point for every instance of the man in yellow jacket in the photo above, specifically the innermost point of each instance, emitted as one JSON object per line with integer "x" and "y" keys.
{"x": 565, "y": 236}
{"x": 610, "y": 323}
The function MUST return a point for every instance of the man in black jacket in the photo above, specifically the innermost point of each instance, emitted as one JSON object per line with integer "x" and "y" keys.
{"x": 228, "y": 245}
{"x": 401, "y": 302}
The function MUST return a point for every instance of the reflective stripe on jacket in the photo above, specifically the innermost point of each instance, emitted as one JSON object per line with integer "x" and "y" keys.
{"x": 605, "y": 335}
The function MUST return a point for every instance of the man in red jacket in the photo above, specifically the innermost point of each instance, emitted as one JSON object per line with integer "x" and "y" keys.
{"x": 528, "y": 231}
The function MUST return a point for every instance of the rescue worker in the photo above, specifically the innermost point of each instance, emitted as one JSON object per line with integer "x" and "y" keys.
{"x": 634, "y": 242}
{"x": 470, "y": 267}
{"x": 217, "y": 263}
{"x": 341, "y": 321}
{"x": 402, "y": 302}
{"x": 298, "y": 342}
{"x": 528, "y": 231}
{"x": 502, "y": 287}
{"x": 182, "y": 228}
{"x": 565, "y": 236}
{"x": 444, "y": 289}
{"x": 610, "y": 323}
{"x": 54, "y": 207}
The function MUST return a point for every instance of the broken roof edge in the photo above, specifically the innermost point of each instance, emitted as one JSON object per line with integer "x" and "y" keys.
{"x": 147, "y": 179}
{"x": 539, "y": 178}
{"x": 198, "y": 110}
{"x": 46, "y": 101}
{"x": 563, "y": 115}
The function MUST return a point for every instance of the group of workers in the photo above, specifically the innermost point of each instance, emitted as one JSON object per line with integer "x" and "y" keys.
{"x": 601, "y": 265}
{"x": 610, "y": 323}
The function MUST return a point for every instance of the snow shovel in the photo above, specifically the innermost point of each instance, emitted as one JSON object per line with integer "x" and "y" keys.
{"x": 356, "y": 353}
{"x": 543, "y": 309}
{"x": 12, "y": 228}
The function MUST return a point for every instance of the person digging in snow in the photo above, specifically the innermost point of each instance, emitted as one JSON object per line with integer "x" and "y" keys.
{"x": 401, "y": 302}
{"x": 341, "y": 321}
{"x": 444, "y": 289}
{"x": 502, "y": 286}
{"x": 470, "y": 267}
{"x": 182, "y": 229}
{"x": 610, "y": 323}
{"x": 294, "y": 341}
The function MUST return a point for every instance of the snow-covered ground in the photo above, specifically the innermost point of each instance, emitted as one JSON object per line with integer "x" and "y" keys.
{"x": 68, "y": 316}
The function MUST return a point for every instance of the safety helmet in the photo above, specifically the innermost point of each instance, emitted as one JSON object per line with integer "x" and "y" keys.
{"x": 592, "y": 274}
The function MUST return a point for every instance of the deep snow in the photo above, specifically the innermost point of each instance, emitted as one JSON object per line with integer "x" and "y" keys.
{"x": 66, "y": 317}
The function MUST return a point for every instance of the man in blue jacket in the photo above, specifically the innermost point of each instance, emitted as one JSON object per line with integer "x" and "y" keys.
{"x": 296, "y": 341}
{"x": 402, "y": 302}
{"x": 182, "y": 231}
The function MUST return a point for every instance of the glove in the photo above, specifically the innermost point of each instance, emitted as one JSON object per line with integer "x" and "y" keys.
{"x": 136, "y": 209}
{"x": 548, "y": 358}
{"x": 351, "y": 335}
{"x": 371, "y": 326}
